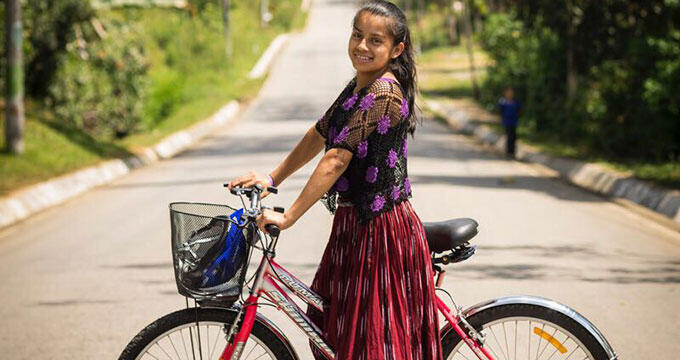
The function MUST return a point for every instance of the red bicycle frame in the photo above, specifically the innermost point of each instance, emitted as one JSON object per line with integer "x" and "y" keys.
{"x": 270, "y": 280}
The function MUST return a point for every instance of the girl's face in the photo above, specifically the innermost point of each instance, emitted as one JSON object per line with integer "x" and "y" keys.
{"x": 371, "y": 47}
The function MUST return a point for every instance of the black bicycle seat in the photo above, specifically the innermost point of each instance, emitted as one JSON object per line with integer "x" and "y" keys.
{"x": 446, "y": 235}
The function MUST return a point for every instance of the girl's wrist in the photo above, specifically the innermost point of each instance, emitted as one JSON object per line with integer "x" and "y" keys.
{"x": 289, "y": 219}
{"x": 270, "y": 179}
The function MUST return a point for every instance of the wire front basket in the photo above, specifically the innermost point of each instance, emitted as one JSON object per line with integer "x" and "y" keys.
{"x": 210, "y": 250}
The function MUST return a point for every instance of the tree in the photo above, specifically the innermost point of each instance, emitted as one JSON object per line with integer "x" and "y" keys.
{"x": 226, "y": 6}
{"x": 14, "y": 108}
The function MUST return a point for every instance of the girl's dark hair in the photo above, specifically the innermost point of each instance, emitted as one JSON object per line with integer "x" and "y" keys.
{"x": 403, "y": 67}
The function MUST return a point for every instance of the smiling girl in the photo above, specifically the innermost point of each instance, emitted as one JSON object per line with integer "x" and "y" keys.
{"x": 375, "y": 274}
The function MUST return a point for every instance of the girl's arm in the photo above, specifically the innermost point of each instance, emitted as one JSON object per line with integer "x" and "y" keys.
{"x": 305, "y": 150}
{"x": 327, "y": 172}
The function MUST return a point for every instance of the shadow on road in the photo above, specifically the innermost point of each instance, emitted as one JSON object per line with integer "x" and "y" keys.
{"x": 641, "y": 269}
{"x": 545, "y": 185}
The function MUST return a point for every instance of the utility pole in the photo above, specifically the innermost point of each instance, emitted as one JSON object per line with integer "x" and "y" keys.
{"x": 265, "y": 15}
{"x": 14, "y": 100}
{"x": 227, "y": 33}
{"x": 467, "y": 20}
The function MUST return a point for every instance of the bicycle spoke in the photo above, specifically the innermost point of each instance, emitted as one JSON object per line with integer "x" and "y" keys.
{"x": 163, "y": 350}
{"x": 500, "y": 347}
{"x": 184, "y": 344}
{"x": 507, "y": 348}
{"x": 515, "y": 354}
{"x": 217, "y": 338}
{"x": 150, "y": 354}
{"x": 251, "y": 350}
{"x": 547, "y": 343}
{"x": 540, "y": 341}
{"x": 173, "y": 346}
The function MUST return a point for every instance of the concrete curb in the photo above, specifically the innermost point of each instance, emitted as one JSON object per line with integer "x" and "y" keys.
{"x": 22, "y": 204}
{"x": 590, "y": 176}
{"x": 263, "y": 64}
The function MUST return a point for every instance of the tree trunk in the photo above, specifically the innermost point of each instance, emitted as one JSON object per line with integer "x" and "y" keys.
{"x": 14, "y": 103}
{"x": 453, "y": 30}
{"x": 467, "y": 20}
{"x": 572, "y": 80}
{"x": 227, "y": 33}
{"x": 264, "y": 13}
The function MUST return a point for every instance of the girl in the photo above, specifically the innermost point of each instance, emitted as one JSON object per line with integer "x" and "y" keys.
{"x": 375, "y": 274}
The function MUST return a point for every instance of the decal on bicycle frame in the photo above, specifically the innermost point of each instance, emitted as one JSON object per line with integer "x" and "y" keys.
{"x": 299, "y": 318}
{"x": 300, "y": 289}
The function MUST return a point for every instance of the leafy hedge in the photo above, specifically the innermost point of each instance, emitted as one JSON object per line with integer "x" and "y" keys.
{"x": 626, "y": 66}
{"x": 115, "y": 72}
{"x": 101, "y": 87}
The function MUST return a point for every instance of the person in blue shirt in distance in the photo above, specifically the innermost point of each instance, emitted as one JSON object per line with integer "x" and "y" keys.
{"x": 510, "y": 110}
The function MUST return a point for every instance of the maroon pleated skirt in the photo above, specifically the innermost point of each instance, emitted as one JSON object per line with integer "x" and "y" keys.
{"x": 377, "y": 281}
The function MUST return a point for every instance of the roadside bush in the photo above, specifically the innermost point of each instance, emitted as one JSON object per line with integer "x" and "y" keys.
{"x": 627, "y": 99}
{"x": 47, "y": 27}
{"x": 101, "y": 88}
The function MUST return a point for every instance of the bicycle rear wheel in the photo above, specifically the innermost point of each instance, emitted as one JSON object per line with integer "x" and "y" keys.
{"x": 177, "y": 336}
{"x": 526, "y": 332}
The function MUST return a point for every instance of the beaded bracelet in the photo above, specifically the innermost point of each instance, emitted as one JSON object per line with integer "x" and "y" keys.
{"x": 271, "y": 180}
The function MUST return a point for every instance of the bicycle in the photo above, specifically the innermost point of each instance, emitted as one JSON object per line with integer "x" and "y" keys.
{"x": 222, "y": 325}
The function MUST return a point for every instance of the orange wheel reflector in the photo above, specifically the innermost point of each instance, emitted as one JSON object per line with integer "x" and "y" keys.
{"x": 550, "y": 339}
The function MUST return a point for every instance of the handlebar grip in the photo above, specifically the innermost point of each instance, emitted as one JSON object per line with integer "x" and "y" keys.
{"x": 273, "y": 189}
{"x": 273, "y": 230}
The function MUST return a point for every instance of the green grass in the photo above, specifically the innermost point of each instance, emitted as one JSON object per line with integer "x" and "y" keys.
{"x": 666, "y": 174}
{"x": 191, "y": 78}
{"x": 51, "y": 150}
{"x": 445, "y": 71}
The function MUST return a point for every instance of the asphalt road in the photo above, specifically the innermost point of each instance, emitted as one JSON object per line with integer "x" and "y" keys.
{"x": 81, "y": 279}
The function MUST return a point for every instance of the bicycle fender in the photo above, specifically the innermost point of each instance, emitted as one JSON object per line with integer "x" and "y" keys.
{"x": 267, "y": 324}
{"x": 538, "y": 301}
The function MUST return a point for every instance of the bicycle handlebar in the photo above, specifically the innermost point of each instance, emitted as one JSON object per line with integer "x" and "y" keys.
{"x": 255, "y": 210}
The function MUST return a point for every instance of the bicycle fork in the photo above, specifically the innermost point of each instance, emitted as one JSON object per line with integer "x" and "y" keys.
{"x": 238, "y": 342}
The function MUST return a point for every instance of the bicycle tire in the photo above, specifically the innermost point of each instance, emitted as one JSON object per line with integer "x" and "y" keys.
{"x": 486, "y": 319}
{"x": 163, "y": 328}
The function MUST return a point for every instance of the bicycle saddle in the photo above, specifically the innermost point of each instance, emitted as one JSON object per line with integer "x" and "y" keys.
{"x": 446, "y": 235}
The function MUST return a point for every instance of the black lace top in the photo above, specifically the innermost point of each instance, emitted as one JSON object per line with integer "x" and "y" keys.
{"x": 372, "y": 125}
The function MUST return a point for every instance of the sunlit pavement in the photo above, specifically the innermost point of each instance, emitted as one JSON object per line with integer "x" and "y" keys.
{"x": 80, "y": 280}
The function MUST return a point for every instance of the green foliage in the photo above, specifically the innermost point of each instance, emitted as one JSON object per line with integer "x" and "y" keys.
{"x": 48, "y": 27}
{"x": 100, "y": 87}
{"x": 626, "y": 69}
{"x": 433, "y": 30}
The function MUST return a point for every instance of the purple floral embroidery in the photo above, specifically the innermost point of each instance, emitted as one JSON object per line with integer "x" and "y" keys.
{"x": 367, "y": 102}
{"x": 362, "y": 149}
{"x": 371, "y": 174}
{"x": 349, "y": 102}
{"x": 332, "y": 133}
{"x": 392, "y": 158}
{"x": 378, "y": 203}
{"x": 342, "y": 136}
{"x": 396, "y": 192}
{"x": 407, "y": 186}
{"x": 342, "y": 184}
{"x": 405, "y": 148}
{"x": 404, "y": 108}
{"x": 383, "y": 124}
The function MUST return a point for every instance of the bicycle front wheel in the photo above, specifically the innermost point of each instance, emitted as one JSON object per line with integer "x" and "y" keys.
{"x": 526, "y": 332}
{"x": 198, "y": 334}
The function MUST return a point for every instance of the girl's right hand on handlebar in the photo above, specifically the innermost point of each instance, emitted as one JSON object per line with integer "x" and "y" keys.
{"x": 250, "y": 180}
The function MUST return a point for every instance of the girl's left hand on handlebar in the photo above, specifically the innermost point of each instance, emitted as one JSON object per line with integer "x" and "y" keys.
{"x": 249, "y": 180}
{"x": 273, "y": 217}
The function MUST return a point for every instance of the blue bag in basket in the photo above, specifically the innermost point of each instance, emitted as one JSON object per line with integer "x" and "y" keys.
{"x": 230, "y": 257}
